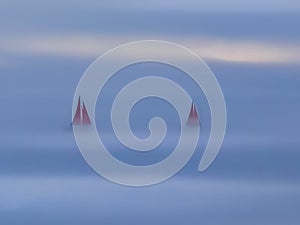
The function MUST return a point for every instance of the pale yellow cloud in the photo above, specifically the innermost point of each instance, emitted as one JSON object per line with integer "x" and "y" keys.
{"x": 246, "y": 51}
{"x": 93, "y": 46}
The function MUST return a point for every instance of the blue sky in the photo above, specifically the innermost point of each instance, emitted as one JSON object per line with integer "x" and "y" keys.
{"x": 252, "y": 48}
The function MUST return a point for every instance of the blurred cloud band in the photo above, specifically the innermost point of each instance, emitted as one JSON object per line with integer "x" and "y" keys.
{"x": 91, "y": 46}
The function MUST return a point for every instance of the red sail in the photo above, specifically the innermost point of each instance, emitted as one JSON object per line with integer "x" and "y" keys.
{"x": 85, "y": 117}
{"x": 77, "y": 116}
{"x": 193, "y": 116}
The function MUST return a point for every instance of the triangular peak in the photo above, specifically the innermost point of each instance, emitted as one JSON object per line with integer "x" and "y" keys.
{"x": 77, "y": 116}
{"x": 81, "y": 116}
{"x": 193, "y": 118}
{"x": 85, "y": 116}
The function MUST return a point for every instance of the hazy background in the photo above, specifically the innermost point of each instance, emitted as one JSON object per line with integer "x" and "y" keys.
{"x": 253, "y": 48}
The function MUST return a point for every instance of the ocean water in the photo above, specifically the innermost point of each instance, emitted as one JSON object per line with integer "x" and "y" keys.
{"x": 254, "y": 180}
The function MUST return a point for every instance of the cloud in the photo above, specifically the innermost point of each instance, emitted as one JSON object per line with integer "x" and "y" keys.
{"x": 91, "y": 46}
{"x": 246, "y": 51}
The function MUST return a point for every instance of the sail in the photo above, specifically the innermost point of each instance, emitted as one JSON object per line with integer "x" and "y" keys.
{"x": 85, "y": 116}
{"x": 77, "y": 116}
{"x": 193, "y": 116}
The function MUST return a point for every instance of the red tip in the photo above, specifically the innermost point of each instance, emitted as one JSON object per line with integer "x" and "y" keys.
{"x": 85, "y": 116}
{"x": 193, "y": 116}
{"x": 77, "y": 116}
